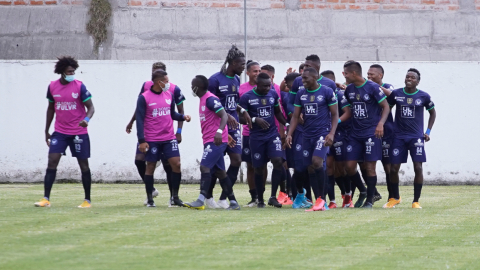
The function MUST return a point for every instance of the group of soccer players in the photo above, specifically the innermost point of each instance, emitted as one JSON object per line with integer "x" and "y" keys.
{"x": 323, "y": 130}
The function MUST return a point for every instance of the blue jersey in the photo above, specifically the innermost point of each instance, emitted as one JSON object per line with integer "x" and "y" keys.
{"x": 226, "y": 89}
{"x": 409, "y": 112}
{"x": 365, "y": 108}
{"x": 343, "y": 128}
{"x": 261, "y": 107}
{"x": 316, "y": 114}
{"x": 284, "y": 98}
{"x": 388, "y": 126}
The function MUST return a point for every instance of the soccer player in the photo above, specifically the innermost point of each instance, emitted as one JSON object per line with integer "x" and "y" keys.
{"x": 213, "y": 120}
{"x": 375, "y": 74}
{"x": 154, "y": 114}
{"x": 68, "y": 99}
{"x": 225, "y": 85}
{"x": 139, "y": 156}
{"x": 409, "y": 136}
{"x": 262, "y": 104}
{"x": 370, "y": 111}
{"x": 320, "y": 116}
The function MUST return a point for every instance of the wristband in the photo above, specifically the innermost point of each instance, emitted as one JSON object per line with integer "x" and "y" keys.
{"x": 242, "y": 110}
{"x": 339, "y": 120}
{"x": 179, "y": 131}
{"x": 253, "y": 119}
{"x": 219, "y": 131}
{"x": 428, "y": 131}
{"x": 86, "y": 119}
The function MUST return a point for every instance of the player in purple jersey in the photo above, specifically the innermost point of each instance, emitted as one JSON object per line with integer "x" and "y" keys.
{"x": 409, "y": 136}
{"x": 67, "y": 99}
{"x": 154, "y": 116}
{"x": 316, "y": 102}
{"x": 213, "y": 120}
{"x": 225, "y": 85}
{"x": 262, "y": 104}
{"x": 370, "y": 111}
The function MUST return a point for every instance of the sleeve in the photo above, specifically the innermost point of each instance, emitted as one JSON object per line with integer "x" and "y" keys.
{"x": 179, "y": 97}
{"x": 140, "y": 118}
{"x": 142, "y": 90}
{"x": 213, "y": 85}
{"x": 214, "y": 104}
{"x": 343, "y": 100}
{"x": 291, "y": 96}
{"x": 244, "y": 101}
{"x": 49, "y": 95}
{"x": 391, "y": 99}
{"x": 377, "y": 93}
{"x": 84, "y": 93}
{"x": 331, "y": 97}
{"x": 277, "y": 98}
{"x": 429, "y": 103}
{"x": 174, "y": 114}
{"x": 285, "y": 102}
{"x": 298, "y": 100}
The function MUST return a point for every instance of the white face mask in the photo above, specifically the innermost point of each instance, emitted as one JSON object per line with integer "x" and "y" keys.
{"x": 166, "y": 87}
{"x": 194, "y": 91}
{"x": 69, "y": 78}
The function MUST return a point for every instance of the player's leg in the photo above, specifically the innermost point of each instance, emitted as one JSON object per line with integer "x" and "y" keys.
{"x": 355, "y": 152}
{"x": 386, "y": 163}
{"x": 358, "y": 183}
{"x": 140, "y": 163}
{"x": 399, "y": 156}
{"x": 86, "y": 182}
{"x": 319, "y": 176}
{"x": 288, "y": 182}
{"x": 417, "y": 152}
{"x": 235, "y": 154}
{"x": 277, "y": 174}
{"x": 150, "y": 170}
{"x": 247, "y": 158}
{"x": 282, "y": 195}
{"x": 172, "y": 154}
{"x": 259, "y": 160}
{"x": 373, "y": 153}
{"x": 331, "y": 179}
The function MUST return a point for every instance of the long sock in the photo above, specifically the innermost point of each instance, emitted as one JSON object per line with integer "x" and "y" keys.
{"x": 340, "y": 184}
{"x": 297, "y": 176}
{"x": 307, "y": 185}
{"x": 364, "y": 175}
{"x": 371, "y": 184}
{"x": 176, "y": 179}
{"x": 283, "y": 181}
{"x": 48, "y": 182}
{"x": 395, "y": 191}
{"x": 87, "y": 183}
{"x": 141, "y": 167}
{"x": 213, "y": 181}
{"x": 357, "y": 181}
{"x": 326, "y": 185}
{"x": 331, "y": 187}
{"x": 232, "y": 174}
{"x": 314, "y": 183}
{"x": 227, "y": 185}
{"x": 320, "y": 172}
{"x": 387, "y": 179}
{"x": 168, "y": 172}
{"x": 253, "y": 194}
{"x": 260, "y": 186}
{"x": 205, "y": 183}
{"x": 288, "y": 178}
{"x": 276, "y": 179}
{"x": 347, "y": 186}
{"x": 148, "y": 179}
{"x": 417, "y": 191}
{"x": 293, "y": 187}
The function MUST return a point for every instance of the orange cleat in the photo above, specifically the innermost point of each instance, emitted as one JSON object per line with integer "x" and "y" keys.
{"x": 287, "y": 201}
{"x": 319, "y": 205}
{"x": 347, "y": 201}
{"x": 282, "y": 197}
{"x": 332, "y": 205}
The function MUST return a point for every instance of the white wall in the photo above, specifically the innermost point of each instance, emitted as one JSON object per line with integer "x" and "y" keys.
{"x": 451, "y": 154}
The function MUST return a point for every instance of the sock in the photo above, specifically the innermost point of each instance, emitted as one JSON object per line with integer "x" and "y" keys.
{"x": 293, "y": 187}
{"x": 232, "y": 174}
{"x": 331, "y": 187}
{"x": 283, "y": 182}
{"x": 176, "y": 179}
{"x": 48, "y": 182}
{"x": 387, "y": 179}
{"x": 417, "y": 191}
{"x": 227, "y": 185}
{"x": 326, "y": 185}
{"x": 357, "y": 181}
{"x": 87, "y": 183}
{"x": 347, "y": 187}
{"x": 205, "y": 183}
{"x": 276, "y": 178}
{"x": 260, "y": 187}
{"x": 213, "y": 181}
{"x": 253, "y": 194}
{"x": 371, "y": 183}
{"x": 320, "y": 172}
{"x": 314, "y": 183}
{"x": 306, "y": 185}
{"x": 201, "y": 197}
{"x": 148, "y": 179}
{"x": 364, "y": 175}
{"x": 168, "y": 172}
{"x": 297, "y": 176}
{"x": 395, "y": 191}
{"x": 141, "y": 167}
{"x": 339, "y": 181}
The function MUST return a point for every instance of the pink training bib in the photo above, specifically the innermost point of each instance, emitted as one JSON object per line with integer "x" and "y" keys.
{"x": 209, "y": 120}
{"x": 158, "y": 126}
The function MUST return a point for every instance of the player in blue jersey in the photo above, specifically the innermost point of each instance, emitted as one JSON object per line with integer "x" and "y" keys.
{"x": 410, "y": 103}
{"x": 316, "y": 102}
{"x": 262, "y": 104}
{"x": 370, "y": 111}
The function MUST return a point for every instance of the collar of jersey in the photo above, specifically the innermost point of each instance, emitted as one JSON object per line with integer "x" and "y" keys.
{"x": 362, "y": 84}
{"x": 320, "y": 78}
{"x": 319, "y": 85}
{"x": 408, "y": 93}
{"x": 229, "y": 76}
{"x": 155, "y": 92}
{"x": 256, "y": 92}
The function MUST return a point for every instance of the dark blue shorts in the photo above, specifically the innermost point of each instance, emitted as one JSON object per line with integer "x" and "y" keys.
{"x": 265, "y": 149}
{"x": 213, "y": 156}
{"x": 162, "y": 158}
{"x": 400, "y": 148}
{"x": 314, "y": 147}
{"x": 386, "y": 150}
{"x": 298, "y": 151}
{"x": 338, "y": 149}
{"x": 237, "y": 136}
{"x": 79, "y": 144}
{"x": 162, "y": 151}
{"x": 246, "y": 152}
{"x": 364, "y": 149}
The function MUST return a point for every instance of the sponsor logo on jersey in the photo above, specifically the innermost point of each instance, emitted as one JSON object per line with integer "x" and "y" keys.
{"x": 409, "y": 100}
{"x": 253, "y": 101}
{"x": 303, "y": 97}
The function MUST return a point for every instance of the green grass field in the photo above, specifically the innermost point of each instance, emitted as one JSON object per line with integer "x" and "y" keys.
{"x": 120, "y": 233}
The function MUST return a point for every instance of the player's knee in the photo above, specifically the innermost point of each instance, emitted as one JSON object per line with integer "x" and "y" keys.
{"x": 311, "y": 169}
{"x": 221, "y": 174}
{"x": 277, "y": 163}
{"x": 204, "y": 169}
{"x": 394, "y": 169}
{"x": 418, "y": 168}
{"x": 258, "y": 171}
{"x": 140, "y": 157}
{"x": 176, "y": 165}
{"x": 317, "y": 162}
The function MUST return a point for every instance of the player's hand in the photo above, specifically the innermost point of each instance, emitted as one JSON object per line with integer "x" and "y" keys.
{"x": 231, "y": 141}
{"x": 247, "y": 118}
{"x": 218, "y": 139}
{"x": 288, "y": 142}
{"x": 83, "y": 123}
{"x": 143, "y": 147}
{"x": 232, "y": 123}
{"x": 262, "y": 123}
{"x": 379, "y": 131}
{"x": 427, "y": 137}
{"x": 341, "y": 86}
{"x": 187, "y": 118}
{"x": 47, "y": 138}
{"x": 179, "y": 137}
{"x": 129, "y": 128}
{"x": 329, "y": 139}
{"x": 290, "y": 70}
{"x": 283, "y": 137}
{"x": 300, "y": 120}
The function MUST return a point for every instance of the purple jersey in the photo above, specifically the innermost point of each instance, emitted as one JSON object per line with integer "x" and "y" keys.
{"x": 409, "y": 112}
{"x": 226, "y": 89}
{"x": 344, "y": 127}
{"x": 209, "y": 120}
{"x": 261, "y": 107}
{"x": 388, "y": 126}
{"x": 244, "y": 88}
{"x": 315, "y": 108}
{"x": 175, "y": 90}
{"x": 366, "y": 110}
{"x": 69, "y": 108}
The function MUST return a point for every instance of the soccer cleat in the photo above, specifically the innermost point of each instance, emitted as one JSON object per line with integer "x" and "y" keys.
{"x": 155, "y": 193}
{"x": 416, "y": 205}
{"x": 391, "y": 203}
{"x": 260, "y": 204}
{"x": 177, "y": 202}
{"x": 273, "y": 202}
{"x": 367, "y": 205}
{"x": 298, "y": 202}
{"x": 43, "y": 203}
{"x": 85, "y": 204}
{"x": 252, "y": 203}
{"x": 319, "y": 205}
{"x": 361, "y": 199}
{"x": 198, "y": 204}
{"x": 233, "y": 206}
{"x": 282, "y": 197}
{"x": 151, "y": 205}
{"x": 326, "y": 206}
{"x": 377, "y": 197}
{"x": 170, "y": 203}
{"x": 332, "y": 205}
{"x": 211, "y": 203}
{"x": 223, "y": 204}
{"x": 347, "y": 201}
{"x": 287, "y": 201}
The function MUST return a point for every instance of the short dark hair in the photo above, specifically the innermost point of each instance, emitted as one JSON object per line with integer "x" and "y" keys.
{"x": 311, "y": 70}
{"x": 263, "y": 76}
{"x": 302, "y": 65}
{"x": 159, "y": 65}
{"x": 327, "y": 72}
{"x": 416, "y": 71}
{"x": 233, "y": 54}
{"x": 204, "y": 81}
{"x": 291, "y": 77}
{"x": 313, "y": 57}
{"x": 64, "y": 62}
{"x": 353, "y": 66}
{"x": 268, "y": 68}
{"x": 378, "y": 66}
{"x": 159, "y": 74}
{"x": 251, "y": 63}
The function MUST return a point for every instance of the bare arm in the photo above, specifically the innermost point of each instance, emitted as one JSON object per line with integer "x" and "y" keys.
{"x": 431, "y": 121}
{"x": 334, "y": 113}
{"x": 293, "y": 125}
{"x": 347, "y": 113}
{"x": 279, "y": 115}
{"x": 385, "y": 111}
{"x": 223, "y": 122}
{"x": 50, "y": 115}
{"x": 90, "y": 111}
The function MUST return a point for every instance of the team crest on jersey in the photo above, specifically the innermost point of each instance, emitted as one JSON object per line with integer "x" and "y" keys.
{"x": 87, "y": 93}
{"x": 77, "y": 140}
{"x": 305, "y": 153}
{"x": 272, "y": 100}
{"x": 319, "y": 98}
{"x": 298, "y": 147}
{"x": 264, "y": 102}
{"x": 430, "y": 104}
{"x": 396, "y": 152}
{"x": 257, "y": 156}
{"x": 366, "y": 97}
{"x": 418, "y": 102}
{"x": 234, "y": 88}
{"x": 312, "y": 98}
{"x": 419, "y": 143}
{"x": 409, "y": 100}
{"x": 358, "y": 96}
{"x": 75, "y": 95}
{"x": 303, "y": 97}
{"x": 169, "y": 101}
{"x": 203, "y": 108}
{"x": 385, "y": 145}
{"x": 369, "y": 142}
{"x": 349, "y": 148}
{"x": 54, "y": 142}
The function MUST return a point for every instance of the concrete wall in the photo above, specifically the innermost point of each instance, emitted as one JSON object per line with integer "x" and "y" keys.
{"x": 370, "y": 30}
{"x": 452, "y": 154}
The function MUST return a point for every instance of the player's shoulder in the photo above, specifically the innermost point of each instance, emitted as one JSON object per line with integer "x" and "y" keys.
{"x": 350, "y": 87}
{"x": 388, "y": 86}
{"x": 329, "y": 83}
{"x": 370, "y": 85}
{"x": 422, "y": 93}
{"x": 215, "y": 76}
{"x": 326, "y": 89}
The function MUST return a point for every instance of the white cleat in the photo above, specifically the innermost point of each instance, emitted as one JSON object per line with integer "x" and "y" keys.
{"x": 155, "y": 193}
{"x": 223, "y": 204}
{"x": 211, "y": 203}
{"x": 171, "y": 203}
